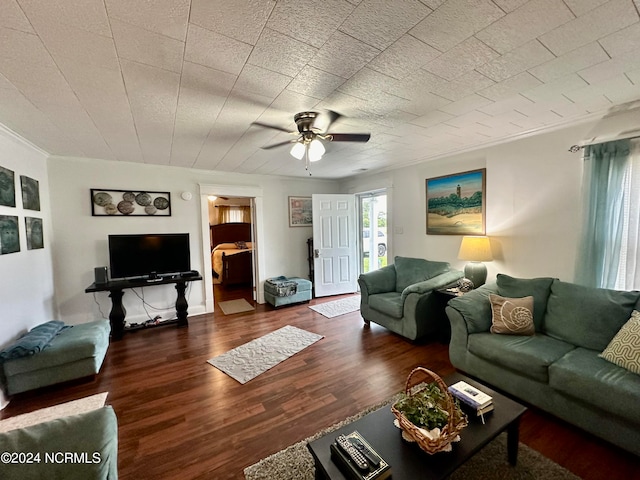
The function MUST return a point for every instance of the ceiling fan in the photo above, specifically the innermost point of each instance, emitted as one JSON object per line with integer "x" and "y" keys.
{"x": 308, "y": 143}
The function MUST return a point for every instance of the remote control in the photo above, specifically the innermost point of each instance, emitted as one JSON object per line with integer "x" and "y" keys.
{"x": 352, "y": 452}
{"x": 371, "y": 457}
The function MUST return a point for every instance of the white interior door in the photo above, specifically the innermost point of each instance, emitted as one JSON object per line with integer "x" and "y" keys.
{"x": 334, "y": 244}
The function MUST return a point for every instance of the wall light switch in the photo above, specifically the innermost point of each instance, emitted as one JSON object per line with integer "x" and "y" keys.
{"x": 398, "y": 230}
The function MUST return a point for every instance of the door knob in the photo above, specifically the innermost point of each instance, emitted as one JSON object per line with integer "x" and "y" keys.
{"x": 316, "y": 253}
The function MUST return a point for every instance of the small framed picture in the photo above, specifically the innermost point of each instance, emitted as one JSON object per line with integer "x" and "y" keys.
{"x": 35, "y": 238}
{"x": 300, "y": 212}
{"x": 7, "y": 187}
{"x": 30, "y": 193}
{"x": 9, "y": 234}
{"x": 129, "y": 203}
{"x": 456, "y": 204}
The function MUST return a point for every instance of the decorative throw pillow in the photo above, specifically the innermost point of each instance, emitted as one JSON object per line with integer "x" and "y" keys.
{"x": 512, "y": 316}
{"x": 241, "y": 245}
{"x": 624, "y": 348}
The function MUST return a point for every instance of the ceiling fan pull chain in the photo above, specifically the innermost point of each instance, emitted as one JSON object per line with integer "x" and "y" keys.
{"x": 307, "y": 163}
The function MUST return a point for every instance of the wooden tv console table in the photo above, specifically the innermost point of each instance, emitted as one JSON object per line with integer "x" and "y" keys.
{"x": 116, "y": 287}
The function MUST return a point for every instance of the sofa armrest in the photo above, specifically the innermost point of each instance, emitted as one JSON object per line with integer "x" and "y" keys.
{"x": 475, "y": 308}
{"x": 379, "y": 281}
{"x": 92, "y": 437}
{"x": 434, "y": 283}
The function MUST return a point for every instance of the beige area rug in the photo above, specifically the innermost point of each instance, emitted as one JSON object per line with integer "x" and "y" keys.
{"x": 338, "y": 307}
{"x": 73, "y": 407}
{"x": 247, "y": 361}
{"x": 235, "y": 306}
{"x": 296, "y": 463}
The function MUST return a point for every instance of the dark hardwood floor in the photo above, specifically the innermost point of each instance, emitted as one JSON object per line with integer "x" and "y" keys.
{"x": 180, "y": 418}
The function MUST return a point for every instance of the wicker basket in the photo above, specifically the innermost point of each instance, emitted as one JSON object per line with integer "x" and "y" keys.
{"x": 457, "y": 420}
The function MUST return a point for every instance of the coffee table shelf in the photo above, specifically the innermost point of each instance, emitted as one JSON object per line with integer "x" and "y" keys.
{"x": 407, "y": 460}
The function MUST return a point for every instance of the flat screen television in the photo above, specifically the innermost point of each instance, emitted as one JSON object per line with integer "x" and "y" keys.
{"x": 148, "y": 255}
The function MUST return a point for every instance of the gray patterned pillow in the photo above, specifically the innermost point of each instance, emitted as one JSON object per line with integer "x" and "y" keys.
{"x": 624, "y": 348}
{"x": 512, "y": 316}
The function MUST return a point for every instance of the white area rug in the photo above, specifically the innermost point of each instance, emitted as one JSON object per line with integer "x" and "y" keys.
{"x": 247, "y": 361}
{"x": 74, "y": 407}
{"x": 338, "y": 307}
{"x": 235, "y": 306}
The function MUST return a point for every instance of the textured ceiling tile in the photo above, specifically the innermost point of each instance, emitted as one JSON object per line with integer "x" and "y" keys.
{"x": 280, "y": 53}
{"x": 623, "y": 63}
{"x": 622, "y": 41}
{"x": 318, "y": 23}
{"x": 166, "y": 17}
{"x": 380, "y": 23}
{"x": 26, "y": 47}
{"x": 78, "y": 44}
{"x": 261, "y": 81}
{"x": 403, "y": 57}
{"x": 466, "y": 104}
{"x": 524, "y": 24}
{"x": 143, "y": 46}
{"x": 505, "y": 105}
{"x": 216, "y": 51}
{"x": 580, "y": 7}
{"x": 456, "y": 21}
{"x": 425, "y": 103}
{"x": 469, "y": 118}
{"x": 516, "y": 61}
{"x": 239, "y": 19}
{"x": 153, "y": 95}
{"x": 461, "y": 59}
{"x": 38, "y": 83}
{"x": 592, "y": 97}
{"x": 591, "y": 26}
{"x": 509, "y": 5}
{"x": 510, "y": 86}
{"x": 315, "y": 83}
{"x": 290, "y": 102}
{"x": 12, "y": 16}
{"x": 462, "y": 86}
{"x": 571, "y": 62}
{"x": 367, "y": 84}
{"x": 554, "y": 90}
{"x": 89, "y": 15}
{"x": 343, "y": 55}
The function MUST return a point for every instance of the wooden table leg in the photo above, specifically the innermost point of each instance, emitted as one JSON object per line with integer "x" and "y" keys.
{"x": 117, "y": 314}
{"x": 513, "y": 439}
{"x": 181, "y": 305}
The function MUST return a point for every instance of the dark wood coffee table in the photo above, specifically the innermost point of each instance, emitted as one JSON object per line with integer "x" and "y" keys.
{"x": 407, "y": 460}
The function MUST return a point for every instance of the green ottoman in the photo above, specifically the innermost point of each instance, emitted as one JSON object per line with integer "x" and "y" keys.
{"x": 279, "y": 291}
{"x": 75, "y": 352}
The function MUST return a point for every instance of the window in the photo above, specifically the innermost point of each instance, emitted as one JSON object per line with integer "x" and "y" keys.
{"x": 628, "y": 277}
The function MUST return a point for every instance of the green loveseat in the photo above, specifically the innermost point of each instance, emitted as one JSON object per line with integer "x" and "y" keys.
{"x": 558, "y": 368}
{"x": 399, "y": 296}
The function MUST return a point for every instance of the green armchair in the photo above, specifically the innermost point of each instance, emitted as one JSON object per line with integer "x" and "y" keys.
{"x": 399, "y": 296}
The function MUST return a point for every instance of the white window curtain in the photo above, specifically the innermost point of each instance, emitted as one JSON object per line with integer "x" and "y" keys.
{"x": 608, "y": 254}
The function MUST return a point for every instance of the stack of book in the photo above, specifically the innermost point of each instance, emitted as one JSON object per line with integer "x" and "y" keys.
{"x": 473, "y": 399}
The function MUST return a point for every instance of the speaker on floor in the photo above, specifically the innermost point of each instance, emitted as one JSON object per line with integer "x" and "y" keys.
{"x": 101, "y": 275}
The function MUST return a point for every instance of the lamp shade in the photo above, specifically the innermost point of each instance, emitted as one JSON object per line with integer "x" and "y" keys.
{"x": 475, "y": 249}
{"x": 297, "y": 151}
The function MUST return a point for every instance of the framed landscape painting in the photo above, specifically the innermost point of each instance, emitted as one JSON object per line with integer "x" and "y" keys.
{"x": 300, "y": 212}
{"x": 456, "y": 204}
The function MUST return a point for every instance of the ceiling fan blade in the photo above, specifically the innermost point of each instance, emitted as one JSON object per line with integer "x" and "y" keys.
{"x": 349, "y": 137}
{"x": 275, "y": 127}
{"x": 275, "y": 145}
{"x": 332, "y": 117}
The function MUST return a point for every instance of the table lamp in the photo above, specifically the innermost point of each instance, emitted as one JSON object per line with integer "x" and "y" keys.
{"x": 476, "y": 250}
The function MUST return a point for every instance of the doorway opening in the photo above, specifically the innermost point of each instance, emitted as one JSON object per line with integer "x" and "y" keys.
{"x": 374, "y": 241}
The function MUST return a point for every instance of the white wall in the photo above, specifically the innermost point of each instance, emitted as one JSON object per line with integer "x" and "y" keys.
{"x": 533, "y": 190}
{"x": 81, "y": 240}
{"x": 26, "y": 283}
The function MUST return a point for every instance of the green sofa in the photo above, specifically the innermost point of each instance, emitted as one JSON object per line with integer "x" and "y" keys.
{"x": 399, "y": 296}
{"x": 558, "y": 369}
{"x": 75, "y": 447}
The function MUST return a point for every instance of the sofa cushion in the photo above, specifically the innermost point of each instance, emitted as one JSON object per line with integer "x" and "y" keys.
{"x": 389, "y": 303}
{"x": 414, "y": 270}
{"x": 585, "y": 316}
{"x": 538, "y": 288}
{"x": 624, "y": 349}
{"x": 529, "y": 356}
{"x": 512, "y": 316}
{"x": 379, "y": 281}
{"x": 584, "y": 376}
{"x": 34, "y": 341}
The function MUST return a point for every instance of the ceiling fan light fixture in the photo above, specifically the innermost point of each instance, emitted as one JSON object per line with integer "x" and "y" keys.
{"x": 316, "y": 150}
{"x": 297, "y": 151}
